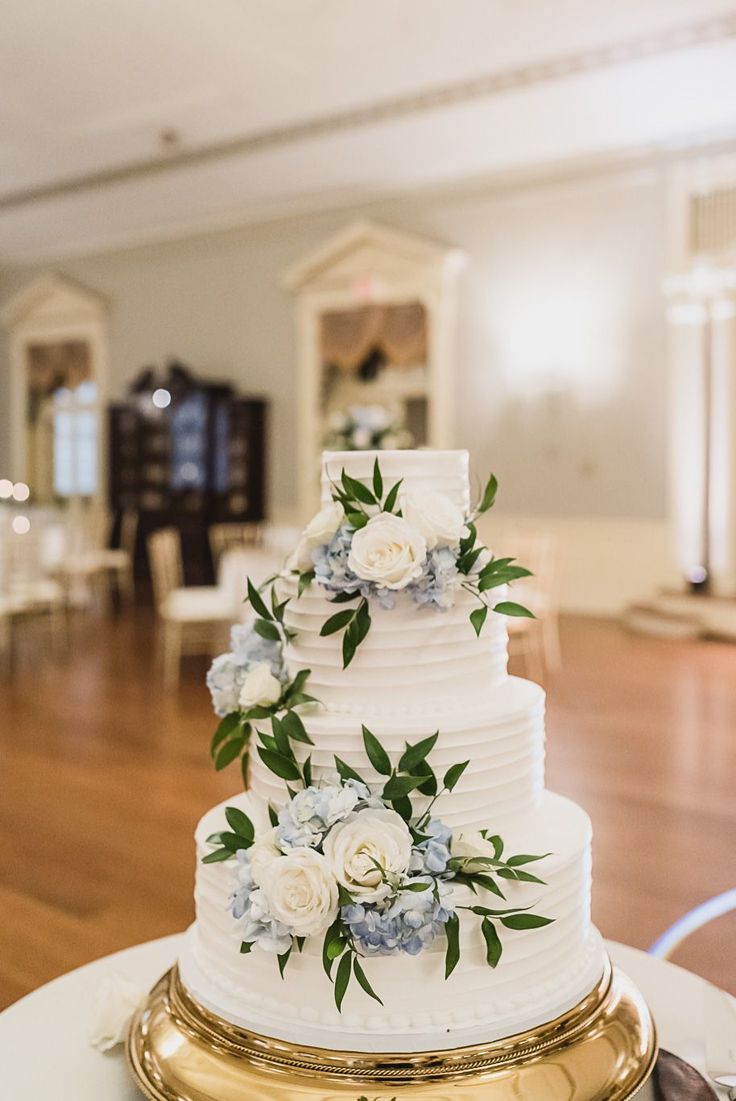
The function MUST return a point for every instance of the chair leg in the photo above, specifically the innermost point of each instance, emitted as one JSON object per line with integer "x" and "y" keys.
{"x": 171, "y": 653}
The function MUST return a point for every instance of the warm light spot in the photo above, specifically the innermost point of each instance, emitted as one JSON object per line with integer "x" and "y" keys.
{"x": 21, "y": 525}
{"x": 21, "y": 492}
{"x": 6, "y": 489}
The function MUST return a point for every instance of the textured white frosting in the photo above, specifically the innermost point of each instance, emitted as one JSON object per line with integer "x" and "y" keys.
{"x": 440, "y": 471}
{"x": 542, "y": 973}
{"x": 417, "y": 671}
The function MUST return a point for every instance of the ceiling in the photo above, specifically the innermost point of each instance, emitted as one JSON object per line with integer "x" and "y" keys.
{"x": 129, "y": 120}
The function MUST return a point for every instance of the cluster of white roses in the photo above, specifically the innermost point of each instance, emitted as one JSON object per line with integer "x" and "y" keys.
{"x": 332, "y": 842}
{"x": 389, "y": 552}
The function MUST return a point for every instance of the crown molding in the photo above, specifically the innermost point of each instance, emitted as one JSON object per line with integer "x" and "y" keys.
{"x": 614, "y": 54}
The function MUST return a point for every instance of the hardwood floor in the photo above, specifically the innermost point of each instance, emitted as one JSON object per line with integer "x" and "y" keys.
{"x": 103, "y": 776}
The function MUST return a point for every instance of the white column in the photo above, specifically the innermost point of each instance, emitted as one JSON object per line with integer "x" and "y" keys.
{"x": 722, "y": 503}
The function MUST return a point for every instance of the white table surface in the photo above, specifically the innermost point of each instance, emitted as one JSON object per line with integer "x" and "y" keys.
{"x": 45, "y": 1052}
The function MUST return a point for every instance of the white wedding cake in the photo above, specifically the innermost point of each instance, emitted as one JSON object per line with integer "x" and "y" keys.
{"x": 409, "y": 663}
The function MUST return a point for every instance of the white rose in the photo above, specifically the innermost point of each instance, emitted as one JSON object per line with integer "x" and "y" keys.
{"x": 439, "y": 520}
{"x": 260, "y": 687}
{"x": 262, "y": 853}
{"x": 364, "y": 839}
{"x": 388, "y": 551}
{"x": 300, "y": 558}
{"x": 323, "y": 526}
{"x": 361, "y": 438}
{"x": 301, "y": 892}
{"x": 470, "y": 844}
{"x": 114, "y": 1002}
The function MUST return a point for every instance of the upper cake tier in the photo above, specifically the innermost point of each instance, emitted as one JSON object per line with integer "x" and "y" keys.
{"x": 443, "y": 472}
{"x": 416, "y": 658}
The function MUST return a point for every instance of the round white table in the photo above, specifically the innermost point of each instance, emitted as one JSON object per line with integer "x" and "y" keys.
{"x": 45, "y": 1051}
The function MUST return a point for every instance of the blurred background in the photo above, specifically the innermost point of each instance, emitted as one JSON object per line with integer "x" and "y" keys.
{"x": 234, "y": 233}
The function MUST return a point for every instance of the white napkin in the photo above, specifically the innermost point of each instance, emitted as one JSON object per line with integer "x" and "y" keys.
{"x": 113, "y": 1004}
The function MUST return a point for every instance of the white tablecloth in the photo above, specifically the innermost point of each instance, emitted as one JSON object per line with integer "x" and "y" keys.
{"x": 45, "y": 1053}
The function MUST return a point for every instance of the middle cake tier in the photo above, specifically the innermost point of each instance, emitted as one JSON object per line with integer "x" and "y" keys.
{"x": 502, "y": 736}
{"x": 413, "y": 660}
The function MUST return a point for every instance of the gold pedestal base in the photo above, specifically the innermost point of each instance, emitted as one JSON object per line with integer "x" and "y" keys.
{"x": 602, "y": 1050}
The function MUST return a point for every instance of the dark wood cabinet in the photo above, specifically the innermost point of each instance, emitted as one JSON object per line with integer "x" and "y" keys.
{"x": 199, "y": 460}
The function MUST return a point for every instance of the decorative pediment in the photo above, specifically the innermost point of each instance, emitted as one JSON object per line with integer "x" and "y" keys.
{"x": 365, "y": 252}
{"x": 53, "y": 299}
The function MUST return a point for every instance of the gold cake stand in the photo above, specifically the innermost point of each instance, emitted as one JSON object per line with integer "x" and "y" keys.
{"x": 602, "y": 1050}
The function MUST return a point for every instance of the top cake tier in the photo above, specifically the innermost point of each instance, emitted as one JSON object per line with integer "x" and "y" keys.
{"x": 439, "y": 471}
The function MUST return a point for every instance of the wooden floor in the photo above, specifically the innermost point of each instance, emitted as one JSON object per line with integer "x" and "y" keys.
{"x": 103, "y": 776}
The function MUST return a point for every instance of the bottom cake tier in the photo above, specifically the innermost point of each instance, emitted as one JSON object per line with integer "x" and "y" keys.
{"x": 541, "y": 975}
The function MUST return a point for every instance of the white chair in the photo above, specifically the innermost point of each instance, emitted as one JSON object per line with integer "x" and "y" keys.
{"x": 193, "y": 619}
{"x": 91, "y": 563}
{"x": 228, "y": 536}
{"x": 28, "y": 597}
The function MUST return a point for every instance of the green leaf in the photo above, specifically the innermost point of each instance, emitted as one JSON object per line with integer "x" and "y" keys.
{"x": 525, "y": 921}
{"x": 489, "y": 495}
{"x": 390, "y": 503}
{"x": 357, "y": 490}
{"x": 230, "y": 751}
{"x": 295, "y": 729}
{"x": 307, "y": 772}
{"x": 429, "y": 785}
{"x": 342, "y": 979}
{"x": 258, "y": 713}
{"x": 483, "y": 911}
{"x": 283, "y": 745}
{"x": 333, "y": 939}
{"x": 453, "y": 774}
{"x": 349, "y": 645}
{"x": 246, "y": 946}
{"x": 346, "y": 772}
{"x": 298, "y": 683}
{"x": 494, "y": 948}
{"x": 468, "y": 540}
{"x": 257, "y": 602}
{"x": 363, "y": 980}
{"x": 267, "y": 630}
{"x": 343, "y": 598}
{"x": 273, "y": 815}
{"x": 300, "y": 698}
{"x": 362, "y": 622}
{"x": 416, "y": 887}
{"x": 519, "y": 874}
{"x": 214, "y": 838}
{"x": 226, "y": 727}
{"x": 357, "y": 520}
{"x": 452, "y": 953}
{"x": 414, "y": 755}
{"x": 336, "y": 622}
{"x": 268, "y": 740}
{"x": 488, "y": 884}
{"x": 343, "y": 896}
{"x": 300, "y": 943}
{"x": 233, "y": 841}
{"x": 216, "y": 856}
{"x": 244, "y": 767}
{"x": 377, "y": 480}
{"x": 508, "y": 607}
{"x": 396, "y": 786}
{"x": 478, "y": 618}
{"x": 497, "y": 843}
{"x": 283, "y": 960}
{"x": 524, "y": 858}
{"x": 239, "y": 822}
{"x": 377, "y": 755}
{"x": 403, "y": 807}
{"x": 305, "y": 580}
{"x": 279, "y": 765}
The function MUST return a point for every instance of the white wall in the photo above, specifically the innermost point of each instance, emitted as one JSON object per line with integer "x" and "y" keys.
{"x": 561, "y": 361}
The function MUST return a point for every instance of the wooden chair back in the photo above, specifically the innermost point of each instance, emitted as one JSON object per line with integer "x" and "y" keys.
{"x": 165, "y": 560}
{"x": 224, "y": 537}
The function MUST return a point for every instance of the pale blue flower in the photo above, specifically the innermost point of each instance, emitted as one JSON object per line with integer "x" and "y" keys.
{"x": 248, "y": 904}
{"x": 249, "y": 649}
{"x": 439, "y": 581}
{"x": 407, "y": 923}
{"x": 433, "y": 855}
{"x": 311, "y": 813}
{"x": 225, "y": 680}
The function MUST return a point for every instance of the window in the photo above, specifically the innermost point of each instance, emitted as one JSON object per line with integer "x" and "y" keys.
{"x": 75, "y": 440}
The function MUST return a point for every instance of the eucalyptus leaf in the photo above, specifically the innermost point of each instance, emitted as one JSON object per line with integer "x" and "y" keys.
{"x": 392, "y": 497}
{"x": 489, "y": 495}
{"x": 363, "y": 980}
{"x": 346, "y": 772}
{"x": 452, "y": 953}
{"x": 305, "y": 580}
{"x": 494, "y": 948}
{"x": 377, "y": 480}
{"x": 216, "y": 856}
{"x": 415, "y": 754}
{"x": 525, "y": 858}
{"x": 245, "y": 770}
{"x": 229, "y": 751}
{"x": 342, "y": 979}
{"x": 238, "y": 821}
{"x": 233, "y": 841}
{"x": 508, "y": 607}
{"x": 279, "y": 765}
{"x": 295, "y": 728}
{"x": 396, "y": 786}
{"x": 525, "y": 921}
{"x": 257, "y": 602}
{"x": 377, "y": 755}
{"x": 225, "y": 728}
{"x": 453, "y": 774}
{"x": 267, "y": 629}
{"x": 336, "y": 622}
{"x": 478, "y": 618}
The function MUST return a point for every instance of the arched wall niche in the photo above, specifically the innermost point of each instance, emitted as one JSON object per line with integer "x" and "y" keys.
{"x": 374, "y": 291}
{"x": 58, "y": 332}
